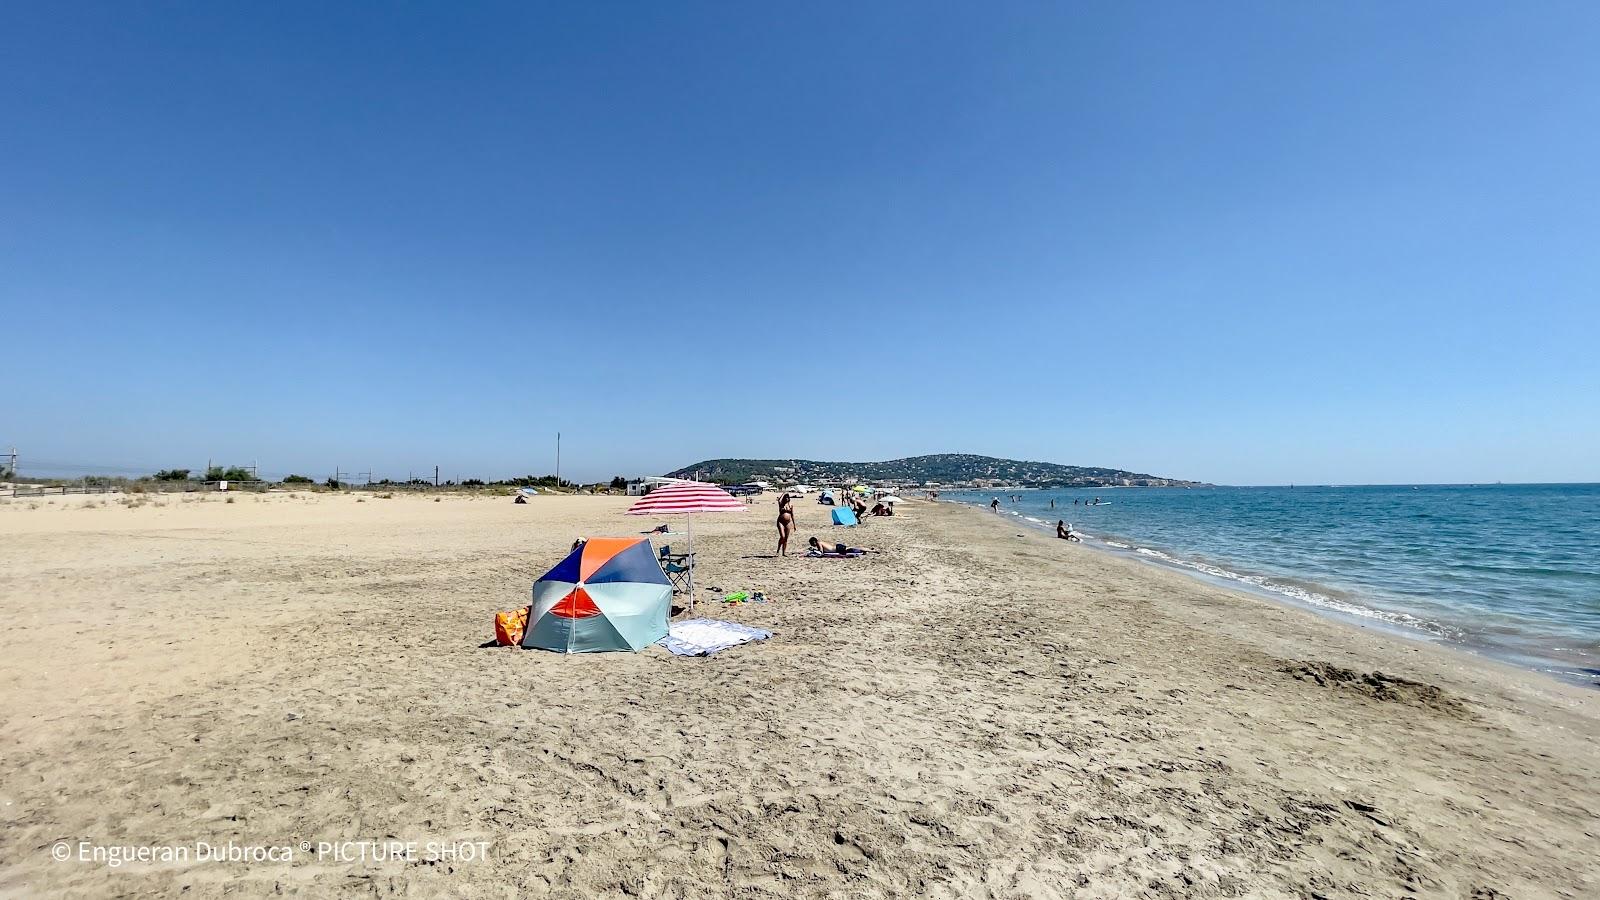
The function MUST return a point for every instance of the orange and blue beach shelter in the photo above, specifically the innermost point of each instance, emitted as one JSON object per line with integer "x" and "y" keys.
{"x": 609, "y": 594}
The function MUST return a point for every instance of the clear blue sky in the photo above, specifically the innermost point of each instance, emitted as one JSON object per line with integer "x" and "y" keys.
{"x": 1245, "y": 243}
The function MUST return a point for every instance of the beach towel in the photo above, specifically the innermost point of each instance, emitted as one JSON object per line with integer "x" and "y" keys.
{"x": 834, "y": 554}
{"x": 703, "y": 637}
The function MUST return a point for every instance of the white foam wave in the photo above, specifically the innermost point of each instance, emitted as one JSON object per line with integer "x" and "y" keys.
{"x": 1303, "y": 595}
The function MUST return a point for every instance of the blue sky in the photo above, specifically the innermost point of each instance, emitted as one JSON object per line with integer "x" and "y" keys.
{"x": 1244, "y": 243}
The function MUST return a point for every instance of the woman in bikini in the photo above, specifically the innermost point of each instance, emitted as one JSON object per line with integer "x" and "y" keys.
{"x": 785, "y": 523}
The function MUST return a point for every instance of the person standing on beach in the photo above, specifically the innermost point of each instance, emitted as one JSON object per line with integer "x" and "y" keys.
{"x": 785, "y": 522}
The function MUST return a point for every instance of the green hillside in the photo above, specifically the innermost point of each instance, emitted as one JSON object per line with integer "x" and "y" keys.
{"x": 947, "y": 469}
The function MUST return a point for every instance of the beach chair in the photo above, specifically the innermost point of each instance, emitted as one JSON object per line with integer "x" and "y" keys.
{"x": 676, "y": 565}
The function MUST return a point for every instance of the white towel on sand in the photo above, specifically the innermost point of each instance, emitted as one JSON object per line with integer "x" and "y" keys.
{"x": 703, "y": 637}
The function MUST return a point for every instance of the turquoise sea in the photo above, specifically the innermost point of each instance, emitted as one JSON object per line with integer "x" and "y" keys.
{"x": 1512, "y": 571}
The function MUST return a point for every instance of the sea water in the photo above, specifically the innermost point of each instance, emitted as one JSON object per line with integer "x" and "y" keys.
{"x": 1508, "y": 570}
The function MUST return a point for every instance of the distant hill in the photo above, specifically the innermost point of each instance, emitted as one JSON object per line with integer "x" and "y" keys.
{"x": 950, "y": 470}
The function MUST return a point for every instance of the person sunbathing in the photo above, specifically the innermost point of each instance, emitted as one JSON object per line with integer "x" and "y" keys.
{"x": 817, "y": 546}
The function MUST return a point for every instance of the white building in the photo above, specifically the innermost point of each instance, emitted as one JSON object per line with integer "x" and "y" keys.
{"x": 638, "y": 487}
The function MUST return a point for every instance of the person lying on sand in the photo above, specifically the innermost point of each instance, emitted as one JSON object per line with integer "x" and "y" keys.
{"x": 1064, "y": 531}
{"x": 881, "y": 509}
{"x": 817, "y": 546}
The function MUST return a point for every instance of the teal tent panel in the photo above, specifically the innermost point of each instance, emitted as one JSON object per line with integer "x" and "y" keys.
{"x": 637, "y": 611}
{"x": 548, "y": 633}
{"x": 843, "y": 516}
{"x": 563, "y": 635}
{"x": 596, "y": 634}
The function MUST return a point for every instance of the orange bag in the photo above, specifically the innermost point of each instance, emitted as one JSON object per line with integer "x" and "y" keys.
{"x": 509, "y": 625}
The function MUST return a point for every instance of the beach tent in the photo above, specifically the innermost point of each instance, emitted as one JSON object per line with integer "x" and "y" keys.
{"x": 609, "y": 594}
{"x": 844, "y": 516}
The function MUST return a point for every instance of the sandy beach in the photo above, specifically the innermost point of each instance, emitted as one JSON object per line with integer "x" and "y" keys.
{"x": 977, "y": 711}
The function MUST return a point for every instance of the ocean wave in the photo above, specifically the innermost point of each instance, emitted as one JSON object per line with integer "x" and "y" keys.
{"x": 1303, "y": 595}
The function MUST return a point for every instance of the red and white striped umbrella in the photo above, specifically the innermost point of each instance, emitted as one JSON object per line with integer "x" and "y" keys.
{"x": 686, "y": 498}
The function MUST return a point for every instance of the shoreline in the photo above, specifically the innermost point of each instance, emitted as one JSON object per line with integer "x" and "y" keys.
{"x": 1319, "y": 624}
{"x": 977, "y": 710}
{"x": 1318, "y": 599}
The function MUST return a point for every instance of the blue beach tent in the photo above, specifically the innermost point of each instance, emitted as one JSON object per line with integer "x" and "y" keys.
{"x": 843, "y": 516}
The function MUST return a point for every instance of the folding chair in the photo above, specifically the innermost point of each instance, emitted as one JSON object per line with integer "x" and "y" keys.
{"x": 676, "y": 566}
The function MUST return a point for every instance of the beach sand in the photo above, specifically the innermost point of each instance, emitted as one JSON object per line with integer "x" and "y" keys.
{"x": 979, "y": 711}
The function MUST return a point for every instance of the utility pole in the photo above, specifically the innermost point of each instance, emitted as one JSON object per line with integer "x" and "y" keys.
{"x": 558, "y": 460}
{"x": 435, "y": 476}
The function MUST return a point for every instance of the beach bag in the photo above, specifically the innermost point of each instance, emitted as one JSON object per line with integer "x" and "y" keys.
{"x": 509, "y": 626}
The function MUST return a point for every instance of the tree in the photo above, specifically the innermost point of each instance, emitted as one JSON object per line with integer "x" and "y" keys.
{"x": 171, "y": 475}
{"x": 297, "y": 479}
{"x": 231, "y": 473}
{"x": 619, "y": 483}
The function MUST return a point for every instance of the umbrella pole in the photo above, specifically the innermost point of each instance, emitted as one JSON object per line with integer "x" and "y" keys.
{"x": 691, "y": 563}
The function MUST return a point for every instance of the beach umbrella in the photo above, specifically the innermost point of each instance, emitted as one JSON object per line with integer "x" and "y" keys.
{"x": 686, "y": 498}
{"x": 891, "y": 500}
